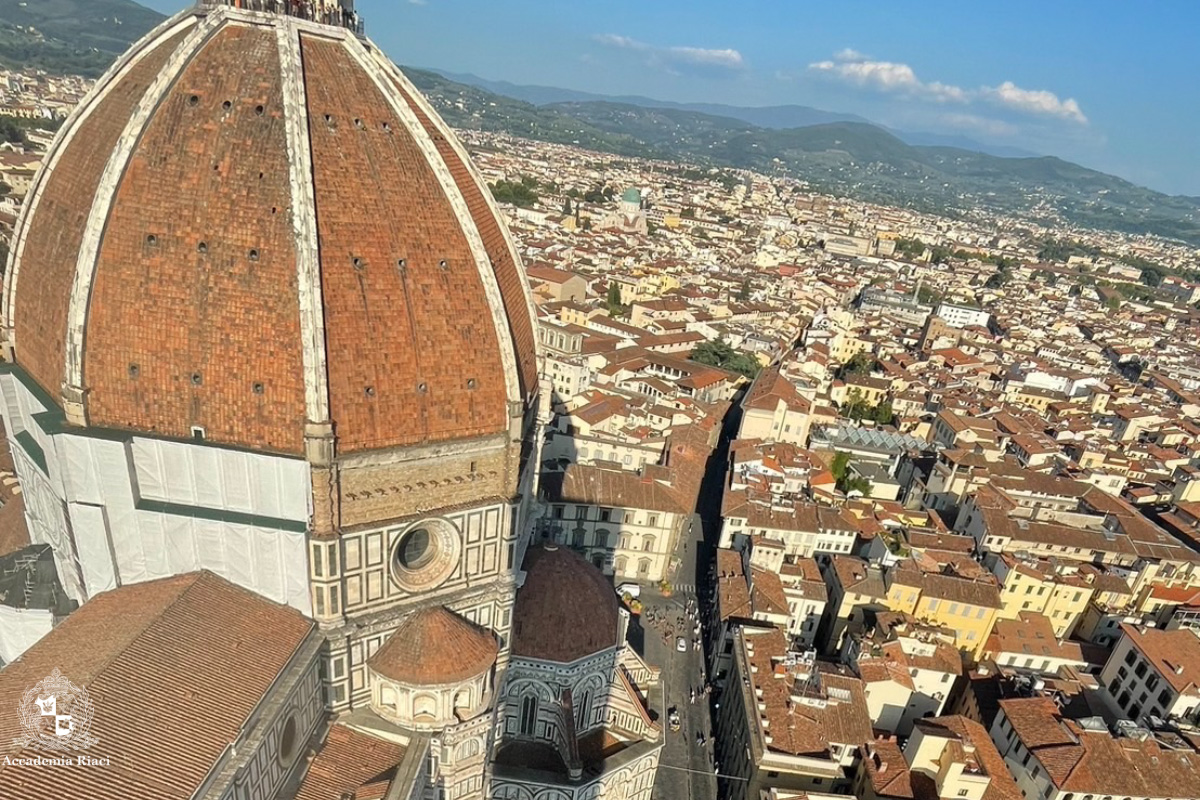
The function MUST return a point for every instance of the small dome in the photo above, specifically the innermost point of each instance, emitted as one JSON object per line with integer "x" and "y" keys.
{"x": 567, "y": 609}
{"x": 632, "y": 195}
{"x": 434, "y": 647}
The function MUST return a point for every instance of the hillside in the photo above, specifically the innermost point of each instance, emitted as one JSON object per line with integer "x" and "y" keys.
{"x": 844, "y": 156}
{"x": 857, "y": 159}
{"x": 78, "y": 37}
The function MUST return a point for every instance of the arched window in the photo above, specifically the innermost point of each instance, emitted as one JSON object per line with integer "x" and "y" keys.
{"x": 644, "y": 568}
{"x": 602, "y": 537}
{"x": 529, "y": 711}
{"x": 622, "y": 563}
{"x": 425, "y": 706}
{"x": 648, "y": 543}
{"x": 583, "y": 710}
{"x": 623, "y": 543}
{"x": 387, "y": 697}
{"x": 462, "y": 699}
{"x": 468, "y": 749}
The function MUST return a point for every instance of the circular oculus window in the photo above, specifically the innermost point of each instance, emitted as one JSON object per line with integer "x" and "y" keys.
{"x": 288, "y": 744}
{"x": 425, "y": 555}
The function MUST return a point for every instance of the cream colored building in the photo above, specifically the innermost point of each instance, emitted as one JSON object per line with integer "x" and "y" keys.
{"x": 1056, "y": 591}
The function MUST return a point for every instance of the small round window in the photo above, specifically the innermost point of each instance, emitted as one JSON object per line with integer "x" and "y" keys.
{"x": 287, "y": 741}
{"x": 425, "y": 555}
{"x": 415, "y": 550}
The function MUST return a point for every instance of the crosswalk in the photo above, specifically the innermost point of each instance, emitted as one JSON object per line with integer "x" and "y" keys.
{"x": 685, "y": 588}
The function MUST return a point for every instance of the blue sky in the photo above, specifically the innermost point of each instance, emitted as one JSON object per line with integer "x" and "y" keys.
{"x": 1111, "y": 85}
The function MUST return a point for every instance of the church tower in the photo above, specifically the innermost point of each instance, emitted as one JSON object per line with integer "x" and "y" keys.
{"x": 263, "y": 318}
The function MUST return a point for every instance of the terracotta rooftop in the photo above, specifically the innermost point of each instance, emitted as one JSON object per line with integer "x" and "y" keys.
{"x": 435, "y": 646}
{"x": 984, "y": 754}
{"x": 155, "y": 657}
{"x": 1076, "y": 759}
{"x": 1174, "y": 654}
{"x": 348, "y": 762}
{"x": 571, "y": 606}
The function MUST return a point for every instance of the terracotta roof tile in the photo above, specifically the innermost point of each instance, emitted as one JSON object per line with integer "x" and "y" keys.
{"x": 347, "y": 761}
{"x": 155, "y": 658}
{"x": 566, "y": 609}
{"x": 435, "y": 646}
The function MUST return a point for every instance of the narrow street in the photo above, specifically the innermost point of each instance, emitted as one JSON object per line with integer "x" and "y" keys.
{"x": 687, "y": 768}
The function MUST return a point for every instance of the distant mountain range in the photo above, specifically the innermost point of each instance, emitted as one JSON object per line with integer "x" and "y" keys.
{"x": 839, "y": 153}
{"x": 70, "y": 37}
{"x": 785, "y": 116}
{"x": 845, "y": 156}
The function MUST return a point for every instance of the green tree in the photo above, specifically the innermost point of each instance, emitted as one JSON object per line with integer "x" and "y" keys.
{"x": 928, "y": 295}
{"x": 688, "y": 213}
{"x": 840, "y": 468}
{"x": 595, "y": 194}
{"x": 861, "y": 363}
{"x": 884, "y": 414}
{"x": 857, "y": 484}
{"x": 914, "y": 248}
{"x": 521, "y": 193}
{"x": 743, "y": 294}
{"x": 846, "y": 481}
{"x": 722, "y": 354}
{"x": 856, "y": 406}
{"x": 1113, "y": 303}
{"x": 998, "y": 278}
{"x": 566, "y": 209}
{"x": 614, "y": 299}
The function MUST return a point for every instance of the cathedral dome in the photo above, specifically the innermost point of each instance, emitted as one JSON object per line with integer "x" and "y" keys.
{"x": 433, "y": 647}
{"x": 254, "y": 223}
{"x": 566, "y": 610}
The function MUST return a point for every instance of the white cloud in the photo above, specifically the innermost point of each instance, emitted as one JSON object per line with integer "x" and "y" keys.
{"x": 855, "y": 68}
{"x": 622, "y": 42}
{"x": 669, "y": 58}
{"x": 418, "y": 2}
{"x": 887, "y": 76}
{"x": 1034, "y": 101}
{"x": 730, "y": 59}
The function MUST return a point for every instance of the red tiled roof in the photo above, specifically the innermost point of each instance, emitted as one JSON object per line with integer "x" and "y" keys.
{"x": 435, "y": 646}
{"x": 347, "y": 761}
{"x": 174, "y": 668}
{"x": 566, "y": 609}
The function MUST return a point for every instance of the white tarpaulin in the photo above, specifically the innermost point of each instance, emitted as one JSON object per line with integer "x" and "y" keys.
{"x": 216, "y": 478}
{"x": 20, "y": 629}
{"x": 91, "y": 537}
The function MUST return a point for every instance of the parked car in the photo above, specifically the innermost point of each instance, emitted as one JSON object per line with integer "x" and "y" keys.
{"x": 631, "y": 589}
{"x": 673, "y": 718}
{"x": 681, "y": 644}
